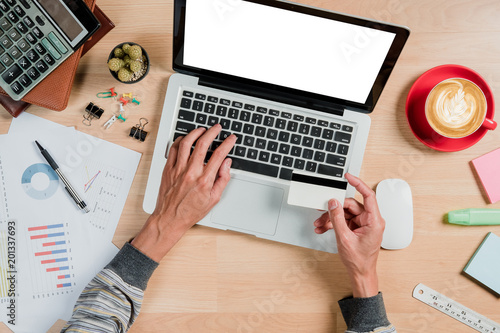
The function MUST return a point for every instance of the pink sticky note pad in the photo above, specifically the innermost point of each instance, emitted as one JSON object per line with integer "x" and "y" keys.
{"x": 488, "y": 169}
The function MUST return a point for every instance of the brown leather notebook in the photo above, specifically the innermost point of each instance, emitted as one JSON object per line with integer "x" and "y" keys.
{"x": 53, "y": 92}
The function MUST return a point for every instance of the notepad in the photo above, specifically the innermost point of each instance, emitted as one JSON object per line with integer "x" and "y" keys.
{"x": 484, "y": 266}
{"x": 488, "y": 169}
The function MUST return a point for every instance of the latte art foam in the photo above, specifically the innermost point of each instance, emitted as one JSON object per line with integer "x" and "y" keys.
{"x": 455, "y": 108}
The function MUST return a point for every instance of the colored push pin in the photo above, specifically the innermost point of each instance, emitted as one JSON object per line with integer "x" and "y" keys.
{"x": 137, "y": 132}
{"x": 129, "y": 95}
{"x": 107, "y": 94}
{"x": 123, "y": 101}
{"x": 121, "y": 118}
{"x": 91, "y": 111}
{"x": 121, "y": 108}
{"x": 135, "y": 101}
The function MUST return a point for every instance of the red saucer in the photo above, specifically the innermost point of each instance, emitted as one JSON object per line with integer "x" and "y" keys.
{"x": 415, "y": 107}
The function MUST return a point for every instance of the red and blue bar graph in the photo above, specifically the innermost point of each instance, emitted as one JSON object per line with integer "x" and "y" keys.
{"x": 49, "y": 250}
{"x": 46, "y": 253}
{"x": 55, "y": 269}
{"x": 51, "y": 261}
{"x": 54, "y": 243}
{"x": 47, "y": 227}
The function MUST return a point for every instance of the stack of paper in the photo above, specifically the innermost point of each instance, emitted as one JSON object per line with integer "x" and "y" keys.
{"x": 59, "y": 247}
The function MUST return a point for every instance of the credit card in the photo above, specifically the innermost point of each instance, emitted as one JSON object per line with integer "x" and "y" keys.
{"x": 314, "y": 191}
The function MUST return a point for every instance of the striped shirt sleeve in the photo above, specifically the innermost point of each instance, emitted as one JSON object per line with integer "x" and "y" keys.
{"x": 112, "y": 300}
{"x": 366, "y": 315}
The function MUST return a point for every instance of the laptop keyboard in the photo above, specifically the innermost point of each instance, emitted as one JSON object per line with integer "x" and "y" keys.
{"x": 270, "y": 142}
{"x": 30, "y": 47}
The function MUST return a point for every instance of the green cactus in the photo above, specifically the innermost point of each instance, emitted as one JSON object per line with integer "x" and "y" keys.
{"x": 115, "y": 64}
{"x": 135, "y": 65}
{"x": 128, "y": 61}
{"x": 119, "y": 53}
{"x": 124, "y": 74}
{"x": 125, "y": 48}
{"x": 135, "y": 52}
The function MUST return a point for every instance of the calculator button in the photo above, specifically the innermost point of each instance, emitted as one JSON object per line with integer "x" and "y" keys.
{"x": 15, "y": 53}
{"x": 7, "y": 60}
{"x": 12, "y": 73}
{"x": 17, "y": 88}
{"x": 5, "y": 41}
{"x": 28, "y": 21}
{"x": 2, "y": 51}
{"x": 32, "y": 56}
{"x": 57, "y": 43}
{"x": 40, "y": 49}
{"x": 3, "y": 6}
{"x": 19, "y": 11}
{"x": 38, "y": 33}
{"x": 5, "y": 24}
{"x": 21, "y": 27}
{"x": 2, "y": 68}
{"x": 25, "y": 4}
{"x": 24, "y": 63}
{"x": 51, "y": 49}
{"x": 39, "y": 20}
{"x": 14, "y": 35}
{"x": 48, "y": 59}
{"x": 25, "y": 80}
{"x": 13, "y": 17}
{"x": 41, "y": 66}
{"x": 11, "y": 2}
{"x": 23, "y": 45}
{"x": 33, "y": 73}
{"x": 31, "y": 38}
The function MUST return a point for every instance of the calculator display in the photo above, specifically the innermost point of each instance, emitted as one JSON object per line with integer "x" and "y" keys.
{"x": 63, "y": 16}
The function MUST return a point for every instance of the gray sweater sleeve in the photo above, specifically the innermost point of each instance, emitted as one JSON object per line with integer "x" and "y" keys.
{"x": 365, "y": 314}
{"x": 112, "y": 300}
{"x": 134, "y": 267}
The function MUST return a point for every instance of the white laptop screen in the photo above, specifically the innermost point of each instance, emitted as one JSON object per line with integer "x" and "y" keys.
{"x": 285, "y": 48}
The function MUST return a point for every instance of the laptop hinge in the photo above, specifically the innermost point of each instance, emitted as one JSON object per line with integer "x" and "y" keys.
{"x": 273, "y": 95}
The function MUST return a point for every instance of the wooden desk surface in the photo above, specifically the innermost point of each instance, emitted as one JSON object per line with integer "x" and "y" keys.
{"x": 216, "y": 281}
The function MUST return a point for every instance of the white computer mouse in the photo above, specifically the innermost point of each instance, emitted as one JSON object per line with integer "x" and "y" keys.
{"x": 396, "y": 207}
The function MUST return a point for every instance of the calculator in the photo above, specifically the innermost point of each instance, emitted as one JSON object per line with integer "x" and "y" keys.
{"x": 36, "y": 36}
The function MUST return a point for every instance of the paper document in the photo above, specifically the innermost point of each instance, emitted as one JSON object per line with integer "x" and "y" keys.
{"x": 59, "y": 248}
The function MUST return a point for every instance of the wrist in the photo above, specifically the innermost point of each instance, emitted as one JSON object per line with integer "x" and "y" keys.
{"x": 364, "y": 285}
{"x": 157, "y": 237}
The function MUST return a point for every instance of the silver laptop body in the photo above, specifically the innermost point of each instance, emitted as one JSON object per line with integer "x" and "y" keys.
{"x": 253, "y": 203}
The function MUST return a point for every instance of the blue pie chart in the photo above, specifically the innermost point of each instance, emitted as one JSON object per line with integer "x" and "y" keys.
{"x": 35, "y": 193}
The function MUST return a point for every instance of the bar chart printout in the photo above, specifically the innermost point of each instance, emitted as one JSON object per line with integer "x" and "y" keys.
{"x": 51, "y": 262}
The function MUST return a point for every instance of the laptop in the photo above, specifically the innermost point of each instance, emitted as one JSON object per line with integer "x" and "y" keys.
{"x": 295, "y": 84}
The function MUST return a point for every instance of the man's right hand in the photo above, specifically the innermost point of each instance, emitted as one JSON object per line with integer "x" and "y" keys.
{"x": 359, "y": 229}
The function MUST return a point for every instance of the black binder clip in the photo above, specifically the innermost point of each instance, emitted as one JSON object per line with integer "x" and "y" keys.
{"x": 91, "y": 111}
{"x": 137, "y": 132}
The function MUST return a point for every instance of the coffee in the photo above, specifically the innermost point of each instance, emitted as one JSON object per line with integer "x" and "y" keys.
{"x": 455, "y": 108}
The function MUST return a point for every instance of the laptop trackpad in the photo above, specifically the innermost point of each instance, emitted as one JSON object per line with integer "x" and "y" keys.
{"x": 249, "y": 206}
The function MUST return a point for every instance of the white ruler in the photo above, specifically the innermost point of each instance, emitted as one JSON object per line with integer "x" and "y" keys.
{"x": 455, "y": 310}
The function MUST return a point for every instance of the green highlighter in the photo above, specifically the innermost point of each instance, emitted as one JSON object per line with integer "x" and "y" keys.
{"x": 475, "y": 216}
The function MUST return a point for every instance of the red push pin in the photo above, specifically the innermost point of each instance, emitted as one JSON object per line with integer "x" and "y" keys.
{"x": 113, "y": 94}
{"x": 123, "y": 100}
